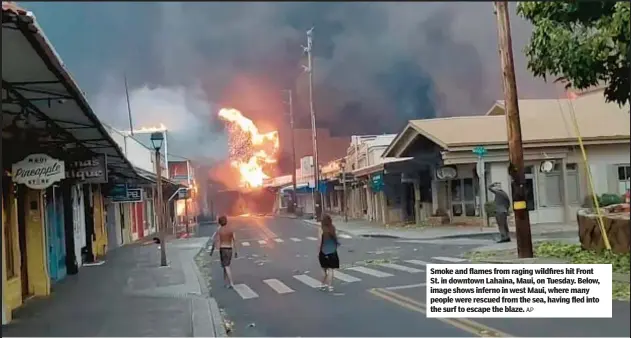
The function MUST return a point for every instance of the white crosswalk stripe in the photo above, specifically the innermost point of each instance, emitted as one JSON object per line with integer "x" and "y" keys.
{"x": 345, "y": 278}
{"x": 245, "y": 292}
{"x": 309, "y": 281}
{"x": 312, "y": 238}
{"x": 245, "y": 243}
{"x": 372, "y": 272}
{"x": 401, "y": 267}
{"x": 278, "y": 240}
{"x": 278, "y": 286}
{"x": 262, "y": 242}
{"x": 296, "y": 239}
{"x": 449, "y": 259}
{"x": 345, "y": 236}
{"x": 417, "y": 262}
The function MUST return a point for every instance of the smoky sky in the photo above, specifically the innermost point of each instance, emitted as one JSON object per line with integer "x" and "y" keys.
{"x": 376, "y": 65}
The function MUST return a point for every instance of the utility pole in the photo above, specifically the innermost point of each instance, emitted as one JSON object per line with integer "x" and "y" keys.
{"x": 314, "y": 132}
{"x": 131, "y": 125}
{"x": 161, "y": 220}
{"x": 344, "y": 189}
{"x": 293, "y": 151}
{"x": 513, "y": 127}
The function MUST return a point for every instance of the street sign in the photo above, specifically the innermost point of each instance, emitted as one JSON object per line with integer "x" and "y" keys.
{"x": 480, "y": 151}
{"x": 182, "y": 194}
{"x": 132, "y": 195}
{"x": 322, "y": 187}
{"x": 376, "y": 182}
{"x": 349, "y": 177}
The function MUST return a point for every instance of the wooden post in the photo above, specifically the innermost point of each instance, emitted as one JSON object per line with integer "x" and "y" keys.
{"x": 513, "y": 127}
{"x": 566, "y": 202}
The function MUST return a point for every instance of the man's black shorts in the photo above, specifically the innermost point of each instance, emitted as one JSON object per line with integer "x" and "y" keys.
{"x": 225, "y": 255}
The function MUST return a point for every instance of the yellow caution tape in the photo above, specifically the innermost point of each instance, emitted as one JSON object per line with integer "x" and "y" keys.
{"x": 519, "y": 205}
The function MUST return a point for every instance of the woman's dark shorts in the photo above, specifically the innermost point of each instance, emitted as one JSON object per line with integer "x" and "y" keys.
{"x": 330, "y": 261}
{"x": 225, "y": 254}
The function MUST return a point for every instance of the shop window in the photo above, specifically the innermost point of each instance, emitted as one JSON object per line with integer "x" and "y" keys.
{"x": 553, "y": 187}
{"x": 624, "y": 172}
{"x": 463, "y": 197}
{"x": 573, "y": 190}
{"x": 9, "y": 230}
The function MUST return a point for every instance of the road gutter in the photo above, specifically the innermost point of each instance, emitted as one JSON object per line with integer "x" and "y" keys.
{"x": 207, "y": 320}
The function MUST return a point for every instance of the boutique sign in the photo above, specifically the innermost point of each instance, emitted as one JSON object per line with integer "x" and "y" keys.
{"x": 88, "y": 170}
{"x": 38, "y": 171}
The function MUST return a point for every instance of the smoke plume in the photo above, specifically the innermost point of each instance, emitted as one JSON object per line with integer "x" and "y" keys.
{"x": 376, "y": 65}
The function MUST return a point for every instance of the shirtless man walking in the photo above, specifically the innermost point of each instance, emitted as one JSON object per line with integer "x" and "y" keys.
{"x": 224, "y": 238}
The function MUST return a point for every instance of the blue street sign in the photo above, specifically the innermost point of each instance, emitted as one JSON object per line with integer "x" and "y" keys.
{"x": 377, "y": 182}
{"x": 322, "y": 187}
{"x": 480, "y": 151}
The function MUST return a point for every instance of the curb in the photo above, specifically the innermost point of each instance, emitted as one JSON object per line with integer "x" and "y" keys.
{"x": 365, "y": 235}
{"x": 341, "y": 231}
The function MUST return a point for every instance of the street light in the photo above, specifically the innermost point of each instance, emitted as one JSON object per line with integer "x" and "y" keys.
{"x": 157, "y": 139}
{"x": 343, "y": 165}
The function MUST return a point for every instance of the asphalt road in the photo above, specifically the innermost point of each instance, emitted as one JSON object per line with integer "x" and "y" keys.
{"x": 382, "y": 293}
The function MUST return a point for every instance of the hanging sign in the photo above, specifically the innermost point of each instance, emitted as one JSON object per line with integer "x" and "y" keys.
{"x": 446, "y": 173}
{"x": 183, "y": 194}
{"x": 376, "y": 182}
{"x": 132, "y": 195}
{"x": 38, "y": 171}
{"x": 88, "y": 170}
{"x": 322, "y": 187}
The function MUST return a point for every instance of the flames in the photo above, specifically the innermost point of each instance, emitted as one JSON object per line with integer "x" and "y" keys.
{"x": 159, "y": 128}
{"x": 250, "y": 150}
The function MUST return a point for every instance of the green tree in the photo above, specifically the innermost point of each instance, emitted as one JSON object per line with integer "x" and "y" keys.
{"x": 584, "y": 43}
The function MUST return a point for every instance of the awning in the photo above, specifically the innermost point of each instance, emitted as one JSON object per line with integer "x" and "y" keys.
{"x": 40, "y": 96}
{"x": 153, "y": 178}
{"x": 379, "y": 166}
{"x": 300, "y": 188}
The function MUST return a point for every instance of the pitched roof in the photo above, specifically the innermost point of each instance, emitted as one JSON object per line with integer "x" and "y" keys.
{"x": 541, "y": 121}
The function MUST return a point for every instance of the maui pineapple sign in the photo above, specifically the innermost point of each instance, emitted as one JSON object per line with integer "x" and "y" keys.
{"x": 38, "y": 171}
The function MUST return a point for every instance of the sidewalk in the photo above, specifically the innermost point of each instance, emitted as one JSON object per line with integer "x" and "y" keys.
{"x": 371, "y": 229}
{"x": 129, "y": 295}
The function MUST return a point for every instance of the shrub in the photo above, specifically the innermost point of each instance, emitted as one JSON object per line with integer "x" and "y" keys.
{"x": 610, "y": 199}
{"x": 603, "y": 200}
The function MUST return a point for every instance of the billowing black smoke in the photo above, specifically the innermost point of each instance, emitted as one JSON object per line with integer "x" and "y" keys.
{"x": 376, "y": 64}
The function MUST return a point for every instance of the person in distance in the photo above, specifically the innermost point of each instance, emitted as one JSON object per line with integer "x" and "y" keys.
{"x": 327, "y": 255}
{"x": 224, "y": 238}
{"x": 502, "y": 205}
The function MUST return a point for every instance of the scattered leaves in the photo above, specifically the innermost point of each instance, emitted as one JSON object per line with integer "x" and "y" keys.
{"x": 577, "y": 255}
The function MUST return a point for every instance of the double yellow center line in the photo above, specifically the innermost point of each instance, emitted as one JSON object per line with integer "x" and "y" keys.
{"x": 475, "y": 328}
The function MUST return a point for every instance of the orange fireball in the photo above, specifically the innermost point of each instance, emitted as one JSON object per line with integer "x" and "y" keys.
{"x": 250, "y": 150}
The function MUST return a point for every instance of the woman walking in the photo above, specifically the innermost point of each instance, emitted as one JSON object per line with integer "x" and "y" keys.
{"x": 329, "y": 260}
